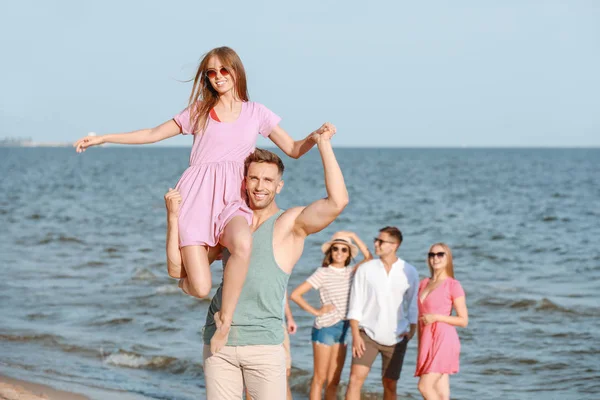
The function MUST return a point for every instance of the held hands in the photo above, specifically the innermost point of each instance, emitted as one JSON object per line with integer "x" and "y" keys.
{"x": 327, "y": 308}
{"x": 82, "y": 144}
{"x": 173, "y": 201}
{"x": 324, "y": 133}
{"x": 428, "y": 319}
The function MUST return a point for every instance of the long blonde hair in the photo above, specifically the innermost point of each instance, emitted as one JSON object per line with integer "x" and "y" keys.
{"x": 449, "y": 265}
{"x": 204, "y": 97}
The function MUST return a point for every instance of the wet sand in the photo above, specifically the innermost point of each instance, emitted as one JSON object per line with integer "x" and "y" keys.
{"x": 15, "y": 389}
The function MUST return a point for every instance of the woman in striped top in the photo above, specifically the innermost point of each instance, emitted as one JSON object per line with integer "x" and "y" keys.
{"x": 333, "y": 281}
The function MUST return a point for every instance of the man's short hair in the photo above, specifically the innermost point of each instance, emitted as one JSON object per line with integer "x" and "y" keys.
{"x": 263, "y": 156}
{"x": 393, "y": 232}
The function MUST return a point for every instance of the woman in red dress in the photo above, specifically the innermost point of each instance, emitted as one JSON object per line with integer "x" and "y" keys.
{"x": 439, "y": 346}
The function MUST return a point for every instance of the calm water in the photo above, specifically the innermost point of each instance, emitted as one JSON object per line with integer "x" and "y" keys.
{"x": 86, "y": 298}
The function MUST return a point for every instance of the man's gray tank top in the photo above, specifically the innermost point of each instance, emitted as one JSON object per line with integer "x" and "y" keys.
{"x": 258, "y": 317}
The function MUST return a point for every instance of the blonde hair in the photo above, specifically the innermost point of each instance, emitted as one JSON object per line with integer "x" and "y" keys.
{"x": 449, "y": 263}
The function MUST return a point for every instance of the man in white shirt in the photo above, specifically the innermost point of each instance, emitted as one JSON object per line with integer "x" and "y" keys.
{"x": 383, "y": 314}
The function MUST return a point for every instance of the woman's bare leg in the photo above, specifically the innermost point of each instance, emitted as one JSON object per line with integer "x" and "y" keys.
{"x": 198, "y": 281}
{"x": 427, "y": 385}
{"x": 442, "y": 387}
{"x": 322, "y": 356}
{"x": 237, "y": 238}
{"x": 334, "y": 372}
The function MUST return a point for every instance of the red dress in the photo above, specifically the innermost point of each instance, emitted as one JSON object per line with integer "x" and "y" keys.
{"x": 439, "y": 346}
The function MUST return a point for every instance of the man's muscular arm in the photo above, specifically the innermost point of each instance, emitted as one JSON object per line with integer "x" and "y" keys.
{"x": 321, "y": 213}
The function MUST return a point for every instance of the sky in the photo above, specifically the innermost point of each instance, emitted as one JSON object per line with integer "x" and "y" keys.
{"x": 473, "y": 73}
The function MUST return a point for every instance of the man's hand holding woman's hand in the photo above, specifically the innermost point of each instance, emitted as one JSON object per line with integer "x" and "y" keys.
{"x": 324, "y": 133}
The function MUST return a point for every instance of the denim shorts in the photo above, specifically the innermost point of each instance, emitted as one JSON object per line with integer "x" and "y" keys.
{"x": 332, "y": 334}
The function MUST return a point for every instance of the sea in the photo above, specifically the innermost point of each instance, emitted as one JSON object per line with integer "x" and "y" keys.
{"x": 86, "y": 302}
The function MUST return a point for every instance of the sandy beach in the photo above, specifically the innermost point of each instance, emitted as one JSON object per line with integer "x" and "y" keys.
{"x": 15, "y": 389}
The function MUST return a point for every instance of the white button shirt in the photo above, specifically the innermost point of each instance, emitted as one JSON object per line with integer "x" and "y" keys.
{"x": 384, "y": 304}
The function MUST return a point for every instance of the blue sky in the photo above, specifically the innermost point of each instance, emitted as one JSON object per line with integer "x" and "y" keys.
{"x": 387, "y": 73}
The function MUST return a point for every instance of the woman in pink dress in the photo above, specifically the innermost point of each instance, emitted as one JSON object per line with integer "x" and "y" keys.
{"x": 213, "y": 213}
{"x": 439, "y": 346}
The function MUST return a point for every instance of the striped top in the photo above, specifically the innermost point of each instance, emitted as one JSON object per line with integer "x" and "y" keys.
{"x": 334, "y": 286}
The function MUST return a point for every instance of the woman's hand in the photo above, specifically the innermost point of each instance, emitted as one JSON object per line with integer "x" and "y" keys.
{"x": 349, "y": 234}
{"x": 82, "y": 144}
{"x": 324, "y": 133}
{"x": 327, "y": 308}
{"x": 428, "y": 319}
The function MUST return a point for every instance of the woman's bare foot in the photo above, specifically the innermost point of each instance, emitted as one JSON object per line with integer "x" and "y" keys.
{"x": 219, "y": 339}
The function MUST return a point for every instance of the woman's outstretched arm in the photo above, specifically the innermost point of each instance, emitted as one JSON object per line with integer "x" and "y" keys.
{"x": 142, "y": 136}
{"x": 296, "y": 148}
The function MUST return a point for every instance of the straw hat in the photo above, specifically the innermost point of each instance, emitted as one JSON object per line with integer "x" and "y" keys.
{"x": 341, "y": 239}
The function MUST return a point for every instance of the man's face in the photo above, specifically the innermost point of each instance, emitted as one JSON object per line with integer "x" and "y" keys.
{"x": 263, "y": 182}
{"x": 385, "y": 244}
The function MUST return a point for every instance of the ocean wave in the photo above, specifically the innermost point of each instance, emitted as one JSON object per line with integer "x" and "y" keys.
{"x": 48, "y": 239}
{"x": 162, "y": 328}
{"x": 39, "y": 338}
{"x": 168, "y": 289}
{"x": 500, "y": 371}
{"x": 172, "y": 365}
{"x": 60, "y": 239}
{"x": 48, "y": 340}
{"x": 39, "y": 315}
{"x": 132, "y": 360}
{"x": 543, "y": 305}
{"x": 112, "y": 322}
{"x": 94, "y": 264}
{"x": 495, "y": 359}
{"x": 143, "y": 274}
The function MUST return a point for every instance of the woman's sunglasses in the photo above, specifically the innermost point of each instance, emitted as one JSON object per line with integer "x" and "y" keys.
{"x": 342, "y": 249}
{"x": 439, "y": 255}
{"x": 212, "y": 73}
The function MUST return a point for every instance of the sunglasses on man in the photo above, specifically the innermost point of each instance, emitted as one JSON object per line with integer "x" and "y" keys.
{"x": 381, "y": 241}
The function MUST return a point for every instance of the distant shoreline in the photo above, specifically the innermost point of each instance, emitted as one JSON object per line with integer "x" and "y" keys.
{"x": 66, "y": 145}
